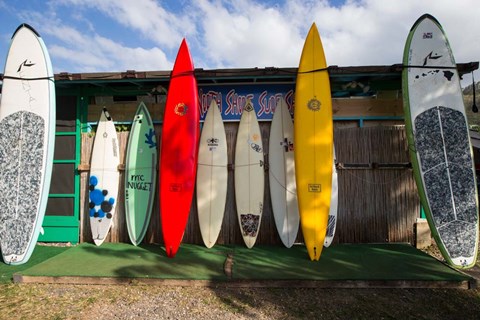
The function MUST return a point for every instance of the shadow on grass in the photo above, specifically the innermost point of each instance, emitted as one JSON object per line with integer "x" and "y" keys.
{"x": 342, "y": 262}
{"x": 190, "y": 263}
{"x": 127, "y": 261}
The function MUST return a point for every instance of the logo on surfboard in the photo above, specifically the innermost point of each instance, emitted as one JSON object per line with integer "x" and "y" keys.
{"x": 248, "y": 107}
{"x": 428, "y": 35}
{"x": 314, "y": 104}
{"x": 314, "y": 187}
{"x": 287, "y": 145}
{"x": 250, "y": 223}
{"x": 213, "y": 142}
{"x": 25, "y": 63}
{"x": 150, "y": 138}
{"x": 181, "y": 109}
{"x": 431, "y": 56}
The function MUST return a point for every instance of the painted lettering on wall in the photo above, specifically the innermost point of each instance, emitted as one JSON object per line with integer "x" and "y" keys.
{"x": 236, "y": 102}
{"x": 232, "y": 99}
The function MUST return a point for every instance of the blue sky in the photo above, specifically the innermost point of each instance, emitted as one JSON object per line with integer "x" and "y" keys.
{"x": 116, "y": 35}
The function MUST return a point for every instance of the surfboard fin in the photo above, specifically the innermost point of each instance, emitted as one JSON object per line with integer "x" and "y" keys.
{"x": 42, "y": 231}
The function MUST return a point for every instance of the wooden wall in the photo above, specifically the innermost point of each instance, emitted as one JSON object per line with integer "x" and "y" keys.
{"x": 378, "y": 199}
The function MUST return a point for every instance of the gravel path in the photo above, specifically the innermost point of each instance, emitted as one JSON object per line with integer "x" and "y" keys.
{"x": 49, "y": 301}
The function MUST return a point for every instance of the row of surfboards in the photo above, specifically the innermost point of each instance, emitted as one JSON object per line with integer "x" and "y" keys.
{"x": 306, "y": 175}
{"x": 211, "y": 180}
{"x": 434, "y": 123}
{"x": 308, "y": 172}
{"x": 436, "y": 126}
{"x": 437, "y": 132}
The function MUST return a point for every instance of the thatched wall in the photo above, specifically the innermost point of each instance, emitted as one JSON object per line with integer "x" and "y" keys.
{"x": 378, "y": 199}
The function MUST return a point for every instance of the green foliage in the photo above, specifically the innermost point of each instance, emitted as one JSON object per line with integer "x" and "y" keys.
{"x": 123, "y": 127}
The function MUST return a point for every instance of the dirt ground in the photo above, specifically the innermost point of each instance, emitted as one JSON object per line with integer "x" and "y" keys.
{"x": 49, "y": 301}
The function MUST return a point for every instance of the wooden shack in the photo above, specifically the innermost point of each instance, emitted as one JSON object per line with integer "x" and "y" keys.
{"x": 378, "y": 199}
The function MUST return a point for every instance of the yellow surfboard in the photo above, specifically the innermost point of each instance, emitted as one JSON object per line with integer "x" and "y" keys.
{"x": 313, "y": 132}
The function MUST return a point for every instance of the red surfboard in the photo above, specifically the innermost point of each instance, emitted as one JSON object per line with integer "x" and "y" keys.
{"x": 179, "y": 146}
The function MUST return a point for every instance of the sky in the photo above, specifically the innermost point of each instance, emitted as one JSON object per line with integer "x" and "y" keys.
{"x": 144, "y": 35}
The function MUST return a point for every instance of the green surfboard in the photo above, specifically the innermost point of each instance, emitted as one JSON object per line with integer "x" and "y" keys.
{"x": 140, "y": 174}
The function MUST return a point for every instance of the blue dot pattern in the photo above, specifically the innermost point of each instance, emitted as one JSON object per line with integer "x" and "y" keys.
{"x": 100, "y": 206}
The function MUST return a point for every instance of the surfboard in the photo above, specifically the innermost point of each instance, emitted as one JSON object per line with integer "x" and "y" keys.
{"x": 249, "y": 175}
{"x": 332, "y": 214}
{"x": 281, "y": 174}
{"x": 212, "y": 176}
{"x": 179, "y": 146}
{"x": 140, "y": 174}
{"x": 104, "y": 178}
{"x": 313, "y": 131}
{"x": 27, "y": 137}
{"x": 439, "y": 142}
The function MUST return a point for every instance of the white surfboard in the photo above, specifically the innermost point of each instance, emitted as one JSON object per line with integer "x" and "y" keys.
{"x": 281, "y": 164}
{"x": 249, "y": 175}
{"x": 27, "y": 137}
{"x": 439, "y": 142}
{"x": 212, "y": 176}
{"x": 104, "y": 178}
{"x": 332, "y": 214}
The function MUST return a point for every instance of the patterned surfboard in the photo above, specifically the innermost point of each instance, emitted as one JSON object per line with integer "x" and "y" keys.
{"x": 440, "y": 148}
{"x": 27, "y": 136}
{"x": 104, "y": 178}
{"x": 249, "y": 175}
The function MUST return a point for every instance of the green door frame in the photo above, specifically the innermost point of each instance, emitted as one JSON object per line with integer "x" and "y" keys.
{"x": 67, "y": 228}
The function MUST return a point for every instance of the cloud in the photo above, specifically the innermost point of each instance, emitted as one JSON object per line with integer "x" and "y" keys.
{"x": 110, "y": 35}
{"x": 152, "y": 20}
{"x": 83, "y": 50}
{"x": 131, "y": 58}
{"x": 367, "y": 32}
{"x": 373, "y": 32}
{"x": 103, "y": 54}
{"x": 85, "y": 61}
{"x": 246, "y": 35}
{"x": 360, "y": 34}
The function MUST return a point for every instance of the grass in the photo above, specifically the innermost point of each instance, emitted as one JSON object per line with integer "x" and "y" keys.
{"x": 40, "y": 254}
